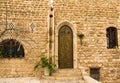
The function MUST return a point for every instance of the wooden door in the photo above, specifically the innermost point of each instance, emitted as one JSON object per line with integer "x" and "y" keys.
{"x": 65, "y": 47}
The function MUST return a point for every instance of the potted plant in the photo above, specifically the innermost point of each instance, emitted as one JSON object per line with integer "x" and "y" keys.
{"x": 47, "y": 64}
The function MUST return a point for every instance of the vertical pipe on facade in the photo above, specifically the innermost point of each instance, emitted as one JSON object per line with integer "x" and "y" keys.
{"x": 50, "y": 31}
{"x": 6, "y": 13}
{"x": 52, "y": 9}
{"x": 50, "y": 35}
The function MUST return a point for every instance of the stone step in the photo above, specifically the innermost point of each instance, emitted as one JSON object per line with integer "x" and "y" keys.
{"x": 36, "y": 80}
{"x": 62, "y": 81}
{"x": 62, "y": 78}
{"x": 67, "y": 72}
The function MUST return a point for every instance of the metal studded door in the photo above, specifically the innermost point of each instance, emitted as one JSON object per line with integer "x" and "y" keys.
{"x": 65, "y": 47}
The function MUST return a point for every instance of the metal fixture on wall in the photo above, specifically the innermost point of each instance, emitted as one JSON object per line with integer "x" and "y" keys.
{"x": 32, "y": 27}
{"x": 81, "y": 36}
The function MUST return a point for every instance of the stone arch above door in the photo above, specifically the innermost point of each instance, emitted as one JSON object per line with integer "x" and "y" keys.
{"x": 57, "y": 28}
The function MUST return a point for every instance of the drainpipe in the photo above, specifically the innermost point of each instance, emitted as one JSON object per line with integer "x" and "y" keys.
{"x": 6, "y": 14}
{"x": 51, "y": 30}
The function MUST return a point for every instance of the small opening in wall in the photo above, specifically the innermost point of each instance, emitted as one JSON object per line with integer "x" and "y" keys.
{"x": 51, "y": 8}
{"x": 51, "y": 15}
{"x": 95, "y": 73}
{"x": 112, "y": 37}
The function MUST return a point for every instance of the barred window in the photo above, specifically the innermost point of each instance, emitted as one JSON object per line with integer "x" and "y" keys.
{"x": 11, "y": 48}
{"x": 95, "y": 73}
{"x": 112, "y": 40}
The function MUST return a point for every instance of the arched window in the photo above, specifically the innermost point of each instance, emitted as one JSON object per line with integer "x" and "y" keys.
{"x": 112, "y": 40}
{"x": 11, "y": 48}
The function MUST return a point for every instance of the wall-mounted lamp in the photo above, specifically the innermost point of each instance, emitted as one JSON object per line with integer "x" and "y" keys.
{"x": 81, "y": 36}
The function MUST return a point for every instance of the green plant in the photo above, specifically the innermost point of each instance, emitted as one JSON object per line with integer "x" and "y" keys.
{"x": 51, "y": 66}
{"x": 45, "y": 62}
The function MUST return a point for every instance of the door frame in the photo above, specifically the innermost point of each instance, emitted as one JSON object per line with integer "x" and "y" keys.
{"x": 57, "y": 28}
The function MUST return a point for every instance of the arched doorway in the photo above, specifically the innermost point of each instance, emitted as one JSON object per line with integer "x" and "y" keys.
{"x": 65, "y": 47}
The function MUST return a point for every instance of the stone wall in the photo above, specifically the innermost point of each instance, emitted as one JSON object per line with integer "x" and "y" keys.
{"x": 22, "y": 13}
{"x": 89, "y": 17}
{"x": 92, "y": 18}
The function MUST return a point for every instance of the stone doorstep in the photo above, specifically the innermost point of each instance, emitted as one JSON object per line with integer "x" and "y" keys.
{"x": 62, "y": 81}
{"x": 61, "y": 78}
{"x": 34, "y": 80}
{"x": 67, "y": 70}
{"x": 65, "y": 74}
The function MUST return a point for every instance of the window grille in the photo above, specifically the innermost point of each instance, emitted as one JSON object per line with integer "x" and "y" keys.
{"x": 95, "y": 73}
{"x": 11, "y": 48}
{"x": 112, "y": 40}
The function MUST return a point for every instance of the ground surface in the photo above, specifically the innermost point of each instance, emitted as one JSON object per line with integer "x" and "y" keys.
{"x": 35, "y": 80}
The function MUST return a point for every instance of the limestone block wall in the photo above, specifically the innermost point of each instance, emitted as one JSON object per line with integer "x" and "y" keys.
{"x": 92, "y": 18}
{"x": 22, "y": 13}
{"x": 89, "y": 17}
